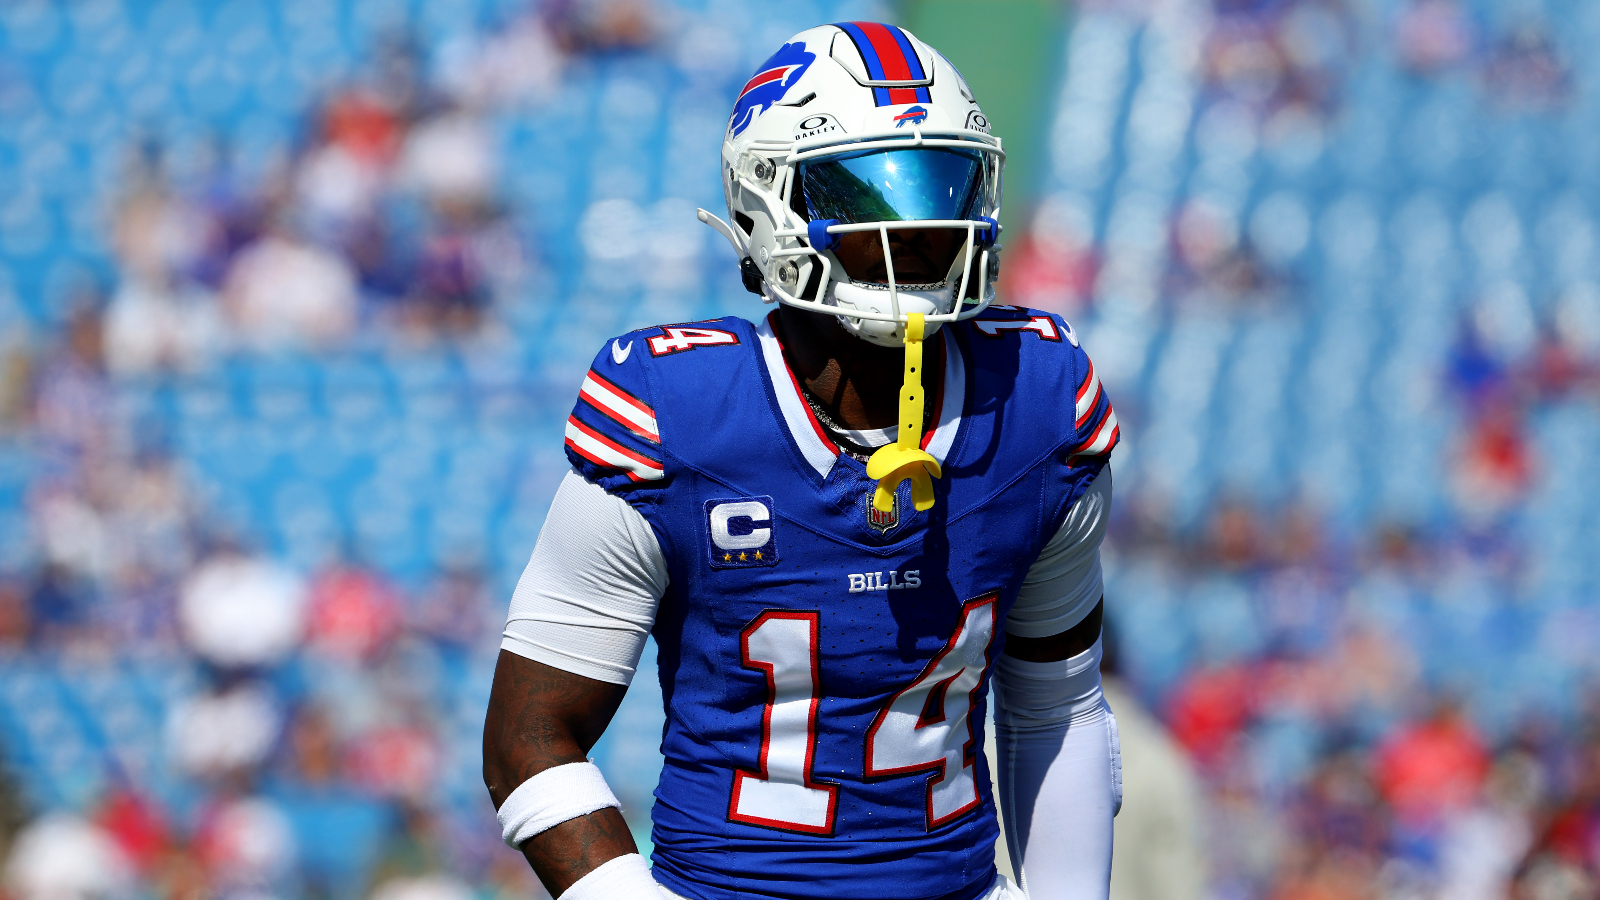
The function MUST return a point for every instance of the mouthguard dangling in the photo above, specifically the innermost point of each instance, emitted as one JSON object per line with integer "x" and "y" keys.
{"x": 905, "y": 458}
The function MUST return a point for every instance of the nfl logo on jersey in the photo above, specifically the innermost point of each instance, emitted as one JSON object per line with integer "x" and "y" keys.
{"x": 881, "y": 521}
{"x": 741, "y": 531}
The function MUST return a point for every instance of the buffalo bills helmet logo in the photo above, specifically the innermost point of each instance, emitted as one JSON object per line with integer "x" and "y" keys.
{"x": 914, "y": 115}
{"x": 768, "y": 86}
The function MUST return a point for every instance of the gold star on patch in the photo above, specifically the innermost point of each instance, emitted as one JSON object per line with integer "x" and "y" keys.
{"x": 727, "y": 557}
{"x": 743, "y": 556}
{"x": 758, "y": 554}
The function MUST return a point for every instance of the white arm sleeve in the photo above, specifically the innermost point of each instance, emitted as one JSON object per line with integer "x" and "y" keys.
{"x": 588, "y": 598}
{"x": 1063, "y": 584}
{"x": 1060, "y": 774}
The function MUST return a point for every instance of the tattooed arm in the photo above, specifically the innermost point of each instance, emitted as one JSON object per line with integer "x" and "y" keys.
{"x": 541, "y": 717}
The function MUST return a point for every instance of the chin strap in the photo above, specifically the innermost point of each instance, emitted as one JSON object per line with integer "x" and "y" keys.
{"x": 905, "y": 458}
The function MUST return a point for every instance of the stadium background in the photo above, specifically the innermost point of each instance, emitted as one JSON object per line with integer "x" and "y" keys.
{"x": 294, "y": 297}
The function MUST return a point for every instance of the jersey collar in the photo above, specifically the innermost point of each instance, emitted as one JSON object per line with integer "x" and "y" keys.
{"x": 812, "y": 438}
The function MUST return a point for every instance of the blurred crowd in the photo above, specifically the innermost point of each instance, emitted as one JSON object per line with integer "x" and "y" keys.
{"x": 305, "y": 750}
{"x": 1369, "y": 704}
{"x": 1337, "y": 760}
{"x": 1386, "y": 704}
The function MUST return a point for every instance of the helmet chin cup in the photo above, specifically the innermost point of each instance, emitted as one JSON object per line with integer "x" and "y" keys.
{"x": 848, "y": 296}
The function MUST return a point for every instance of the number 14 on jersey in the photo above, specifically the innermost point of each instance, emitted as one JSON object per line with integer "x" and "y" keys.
{"x": 924, "y": 729}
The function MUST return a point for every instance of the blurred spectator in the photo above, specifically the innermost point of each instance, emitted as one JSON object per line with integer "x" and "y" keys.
{"x": 1526, "y": 70}
{"x": 519, "y": 66}
{"x": 1563, "y": 860}
{"x": 313, "y": 749}
{"x": 137, "y": 827}
{"x": 160, "y": 325}
{"x": 351, "y": 614}
{"x": 239, "y": 611}
{"x": 158, "y": 319}
{"x": 64, "y": 857}
{"x": 435, "y": 886}
{"x": 1434, "y": 767}
{"x": 1234, "y": 538}
{"x": 16, "y": 620}
{"x": 283, "y": 291}
{"x": 156, "y": 235}
{"x": 451, "y": 292}
{"x": 1475, "y": 370}
{"x": 1243, "y": 60}
{"x": 1285, "y": 644}
{"x": 1434, "y": 35}
{"x": 1216, "y": 265}
{"x": 458, "y": 610}
{"x": 449, "y": 158}
{"x": 247, "y": 846}
{"x": 400, "y": 760}
{"x": 1208, "y": 712}
{"x": 226, "y": 733}
{"x": 1493, "y": 468}
{"x": 1481, "y": 848}
{"x": 57, "y": 607}
{"x": 589, "y": 26}
{"x": 72, "y": 402}
{"x": 1056, "y": 265}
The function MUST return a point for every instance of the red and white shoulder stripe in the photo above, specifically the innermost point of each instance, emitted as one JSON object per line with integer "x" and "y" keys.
{"x": 1089, "y": 393}
{"x": 620, "y": 406}
{"x": 1095, "y": 417}
{"x": 595, "y": 447}
{"x": 1105, "y": 436}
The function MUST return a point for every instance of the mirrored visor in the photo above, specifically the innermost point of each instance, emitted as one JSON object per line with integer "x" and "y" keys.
{"x": 894, "y": 185}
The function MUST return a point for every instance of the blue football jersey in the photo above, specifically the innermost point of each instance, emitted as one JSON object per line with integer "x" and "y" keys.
{"x": 825, "y": 666}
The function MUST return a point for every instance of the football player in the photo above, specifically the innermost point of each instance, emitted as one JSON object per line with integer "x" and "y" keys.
{"x": 839, "y": 524}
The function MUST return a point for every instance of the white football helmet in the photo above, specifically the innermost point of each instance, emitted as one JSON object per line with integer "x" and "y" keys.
{"x": 857, "y": 149}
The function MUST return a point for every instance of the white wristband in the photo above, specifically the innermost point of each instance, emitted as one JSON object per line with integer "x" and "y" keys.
{"x": 624, "y": 878}
{"x": 552, "y": 797}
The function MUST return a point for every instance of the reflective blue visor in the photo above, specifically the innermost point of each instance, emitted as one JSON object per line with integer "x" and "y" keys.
{"x": 893, "y": 185}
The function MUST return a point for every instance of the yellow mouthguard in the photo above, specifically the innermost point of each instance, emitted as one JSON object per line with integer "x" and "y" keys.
{"x": 905, "y": 458}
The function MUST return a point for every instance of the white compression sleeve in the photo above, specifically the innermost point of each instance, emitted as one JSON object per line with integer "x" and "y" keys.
{"x": 1060, "y": 774}
{"x": 1063, "y": 584}
{"x": 588, "y": 598}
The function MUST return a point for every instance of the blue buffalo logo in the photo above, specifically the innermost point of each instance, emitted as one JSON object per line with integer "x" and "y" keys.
{"x": 768, "y": 86}
{"x": 914, "y": 115}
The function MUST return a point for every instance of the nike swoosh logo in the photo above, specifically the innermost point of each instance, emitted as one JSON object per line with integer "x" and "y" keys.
{"x": 619, "y": 354}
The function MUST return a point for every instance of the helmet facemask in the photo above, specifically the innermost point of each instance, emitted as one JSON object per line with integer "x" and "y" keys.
{"x": 884, "y": 226}
{"x": 896, "y": 226}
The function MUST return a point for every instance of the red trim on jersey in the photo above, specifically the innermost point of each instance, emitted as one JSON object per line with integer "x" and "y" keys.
{"x": 822, "y": 433}
{"x": 938, "y": 401}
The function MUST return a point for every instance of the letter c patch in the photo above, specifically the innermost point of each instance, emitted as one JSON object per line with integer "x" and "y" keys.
{"x": 740, "y": 532}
